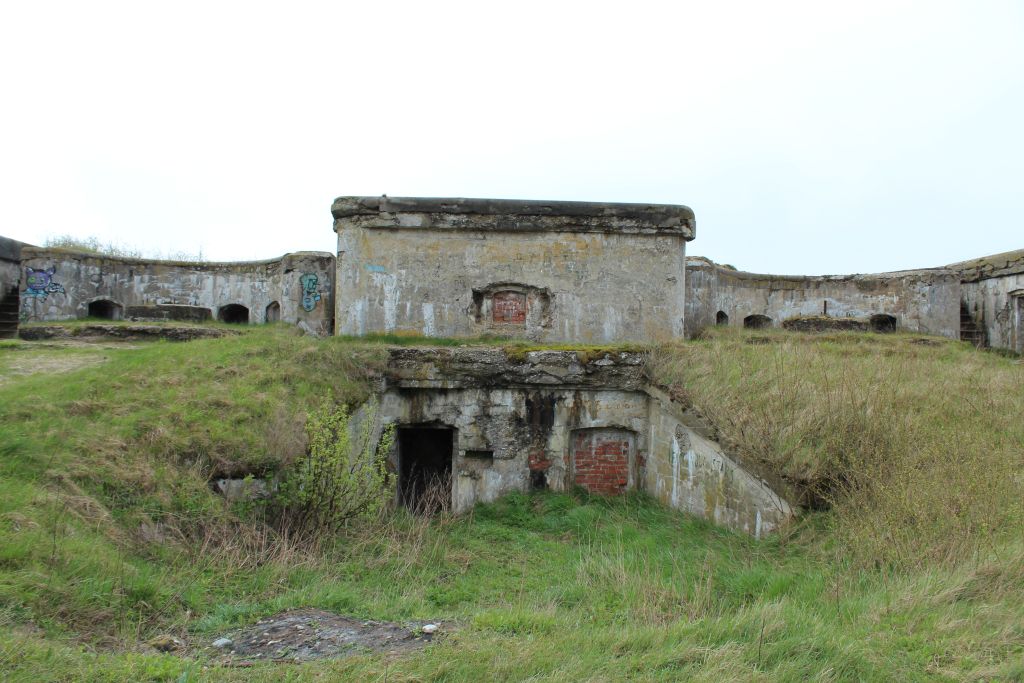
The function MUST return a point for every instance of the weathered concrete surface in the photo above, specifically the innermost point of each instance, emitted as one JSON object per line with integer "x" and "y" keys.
{"x": 548, "y": 271}
{"x": 122, "y": 332}
{"x": 993, "y": 294}
{"x": 10, "y": 263}
{"x": 481, "y": 367}
{"x": 688, "y": 470}
{"x": 924, "y": 301}
{"x": 60, "y": 285}
{"x": 557, "y": 420}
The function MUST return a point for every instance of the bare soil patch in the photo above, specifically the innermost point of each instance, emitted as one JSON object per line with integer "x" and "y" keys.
{"x": 308, "y": 634}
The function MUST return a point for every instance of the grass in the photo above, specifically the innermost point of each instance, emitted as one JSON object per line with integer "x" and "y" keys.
{"x": 109, "y": 534}
{"x": 915, "y": 442}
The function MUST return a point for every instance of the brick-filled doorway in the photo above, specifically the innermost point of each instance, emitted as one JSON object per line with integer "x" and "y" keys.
{"x": 601, "y": 459}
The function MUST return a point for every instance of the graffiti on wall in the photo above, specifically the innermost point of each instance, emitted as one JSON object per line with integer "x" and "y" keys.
{"x": 39, "y": 285}
{"x": 310, "y": 295}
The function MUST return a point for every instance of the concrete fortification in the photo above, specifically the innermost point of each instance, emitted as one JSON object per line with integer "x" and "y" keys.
{"x": 485, "y": 422}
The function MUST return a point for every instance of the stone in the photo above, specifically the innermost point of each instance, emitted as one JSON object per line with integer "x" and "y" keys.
{"x": 222, "y": 643}
{"x": 166, "y": 643}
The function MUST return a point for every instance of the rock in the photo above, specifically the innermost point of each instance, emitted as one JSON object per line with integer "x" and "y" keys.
{"x": 166, "y": 643}
{"x": 429, "y": 629}
{"x": 222, "y": 643}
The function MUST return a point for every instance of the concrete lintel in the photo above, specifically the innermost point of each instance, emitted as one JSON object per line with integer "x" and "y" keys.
{"x": 513, "y": 215}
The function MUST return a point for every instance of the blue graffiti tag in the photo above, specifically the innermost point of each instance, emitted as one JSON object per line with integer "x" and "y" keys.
{"x": 309, "y": 294}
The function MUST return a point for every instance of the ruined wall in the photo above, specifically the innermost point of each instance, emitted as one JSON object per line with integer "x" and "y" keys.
{"x": 555, "y": 420}
{"x": 993, "y": 295}
{"x": 10, "y": 264}
{"x": 60, "y": 285}
{"x": 925, "y": 301}
{"x": 688, "y": 470}
{"x": 553, "y": 271}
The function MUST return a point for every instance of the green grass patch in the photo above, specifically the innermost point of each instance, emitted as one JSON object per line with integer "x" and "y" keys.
{"x": 110, "y": 534}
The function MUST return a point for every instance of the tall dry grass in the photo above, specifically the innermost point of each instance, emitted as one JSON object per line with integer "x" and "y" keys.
{"x": 916, "y": 444}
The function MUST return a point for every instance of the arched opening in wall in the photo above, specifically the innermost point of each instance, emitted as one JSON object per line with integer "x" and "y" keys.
{"x": 425, "y": 457}
{"x": 721, "y": 318}
{"x": 273, "y": 312}
{"x": 880, "y": 322}
{"x": 106, "y": 309}
{"x": 757, "y": 322}
{"x": 236, "y": 314}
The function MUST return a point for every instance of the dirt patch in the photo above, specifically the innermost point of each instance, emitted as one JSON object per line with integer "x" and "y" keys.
{"x": 308, "y": 634}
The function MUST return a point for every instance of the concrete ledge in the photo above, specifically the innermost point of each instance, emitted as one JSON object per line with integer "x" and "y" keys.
{"x": 512, "y": 215}
{"x": 458, "y": 368}
{"x": 122, "y": 332}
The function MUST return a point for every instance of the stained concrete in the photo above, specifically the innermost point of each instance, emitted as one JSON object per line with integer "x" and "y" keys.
{"x": 922, "y": 301}
{"x": 516, "y": 415}
{"x": 301, "y": 285}
{"x": 585, "y": 272}
{"x": 993, "y": 294}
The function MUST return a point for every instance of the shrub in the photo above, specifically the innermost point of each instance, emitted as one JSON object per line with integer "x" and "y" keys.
{"x": 343, "y": 475}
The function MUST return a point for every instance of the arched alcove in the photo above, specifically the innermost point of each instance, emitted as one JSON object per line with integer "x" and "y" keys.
{"x": 273, "y": 312}
{"x": 880, "y": 322}
{"x": 106, "y": 309}
{"x": 757, "y": 322}
{"x": 236, "y": 314}
{"x": 721, "y": 318}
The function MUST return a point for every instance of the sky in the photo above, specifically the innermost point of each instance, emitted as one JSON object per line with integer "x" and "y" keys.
{"x": 808, "y": 137}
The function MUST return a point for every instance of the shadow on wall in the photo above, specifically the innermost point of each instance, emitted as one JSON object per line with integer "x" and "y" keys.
{"x": 757, "y": 322}
{"x": 235, "y": 314}
{"x": 106, "y": 309}
{"x": 882, "y": 323}
{"x": 273, "y": 312}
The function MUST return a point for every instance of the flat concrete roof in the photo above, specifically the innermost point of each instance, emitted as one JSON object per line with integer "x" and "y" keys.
{"x": 519, "y": 214}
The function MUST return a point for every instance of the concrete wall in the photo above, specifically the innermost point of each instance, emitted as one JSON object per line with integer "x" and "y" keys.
{"x": 689, "y": 471}
{"x": 10, "y": 264}
{"x": 925, "y": 301}
{"x": 59, "y": 285}
{"x": 538, "y": 417}
{"x": 501, "y": 421}
{"x": 555, "y": 271}
{"x": 993, "y": 293}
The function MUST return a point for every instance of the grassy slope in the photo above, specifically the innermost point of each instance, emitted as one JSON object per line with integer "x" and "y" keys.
{"x": 109, "y": 535}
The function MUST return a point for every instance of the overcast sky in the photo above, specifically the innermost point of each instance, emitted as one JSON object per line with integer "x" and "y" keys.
{"x": 808, "y": 137}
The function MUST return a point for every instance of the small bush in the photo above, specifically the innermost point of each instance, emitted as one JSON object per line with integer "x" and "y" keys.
{"x": 343, "y": 476}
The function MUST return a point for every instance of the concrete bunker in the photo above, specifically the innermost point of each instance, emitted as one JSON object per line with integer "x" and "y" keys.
{"x": 757, "y": 322}
{"x": 234, "y": 314}
{"x": 444, "y": 267}
{"x": 480, "y": 422}
{"x": 105, "y": 309}
{"x": 425, "y": 454}
{"x": 882, "y": 322}
{"x": 273, "y": 313}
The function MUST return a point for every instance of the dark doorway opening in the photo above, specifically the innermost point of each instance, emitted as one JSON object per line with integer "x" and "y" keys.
{"x": 757, "y": 322}
{"x": 721, "y": 318}
{"x": 106, "y": 309}
{"x": 236, "y": 314}
{"x": 883, "y": 323}
{"x": 273, "y": 312}
{"x": 425, "y": 468}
